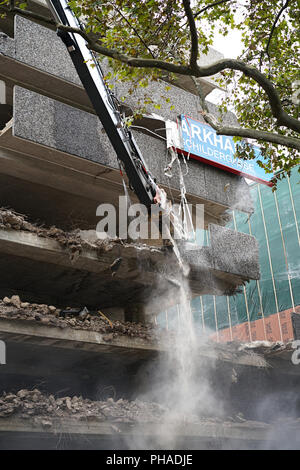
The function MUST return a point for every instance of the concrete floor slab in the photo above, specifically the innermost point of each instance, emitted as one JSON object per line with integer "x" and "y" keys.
{"x": 144, "y": 274}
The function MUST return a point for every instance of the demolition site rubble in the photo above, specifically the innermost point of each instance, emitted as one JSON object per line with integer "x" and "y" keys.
{"x": 28, "y": 404}
{"x": 14, "y": 309}
{"x": 74, "y": 241}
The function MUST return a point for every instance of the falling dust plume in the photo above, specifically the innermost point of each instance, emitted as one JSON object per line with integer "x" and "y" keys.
{"x": 180, "y": 382}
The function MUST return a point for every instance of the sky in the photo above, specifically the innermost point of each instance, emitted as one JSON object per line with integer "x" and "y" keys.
{"x": 230, "y": 46}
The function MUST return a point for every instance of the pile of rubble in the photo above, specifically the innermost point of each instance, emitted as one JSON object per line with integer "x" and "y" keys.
{"x": 75, "y": 241}
{"x": 33, "y": 403}
{"x": 267, "y": 348}
{"x": 10, "y": 219}
{"x": 14, "y": 309}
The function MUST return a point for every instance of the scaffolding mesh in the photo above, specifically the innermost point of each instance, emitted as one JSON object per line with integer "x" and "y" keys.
{"x": 275, "y": 224}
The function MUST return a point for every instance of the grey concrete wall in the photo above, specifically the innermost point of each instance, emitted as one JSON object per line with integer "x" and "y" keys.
{"x": 54, "y": 124}
{"x": 7, "y": 46}
{"x": 234, "y": 252}
{"x": 41, "y": 48}
{"x": 182, "y": 101}
{"x": 62, "y": 127}
{"x": 228, "y": 252}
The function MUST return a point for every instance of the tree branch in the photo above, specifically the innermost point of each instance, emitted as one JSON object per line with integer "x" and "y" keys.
{"x": 193, "y": 32}
{"x": 283, "y": 118}
{"x": 132, "y": 61}
{"x": 133, "y": 28}
{"x": 210, "y": 6}
{"x": 274, "y": 25}
{"x": 264, "y": 136}
{"x": 27, "y": 14}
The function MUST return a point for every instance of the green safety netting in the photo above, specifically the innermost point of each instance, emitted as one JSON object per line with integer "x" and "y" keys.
{"x": 274, "y": 224}
{"x": 276, "y": 229}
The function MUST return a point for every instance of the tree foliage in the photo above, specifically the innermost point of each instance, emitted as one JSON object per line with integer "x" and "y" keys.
{"x": 146, "y": 40}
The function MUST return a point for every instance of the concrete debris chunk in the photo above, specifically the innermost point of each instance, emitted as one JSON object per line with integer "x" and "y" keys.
{"x": 25, "y": 304}
{"x": 15, "y": 300}
{"x": 46, "y": 423}
{"x": 68, "y": 403}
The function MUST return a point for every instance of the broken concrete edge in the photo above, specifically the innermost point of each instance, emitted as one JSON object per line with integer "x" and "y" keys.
{"x": 145, "y": 271}
{"x": 34, "y": 410}
{"x": 235, "y": 252}
{"x": 43, "y": 323}
{"x": 69, "y": 338}
{"x": 268, "y": 348}
{"x": 217, "y": 257}
{"x": 30, "y": 403}
{"x": 158, "y": 341}
{"x": 74, "y": 241}
{"x": 242, "y": 431}
{"x": 142, "y": 264}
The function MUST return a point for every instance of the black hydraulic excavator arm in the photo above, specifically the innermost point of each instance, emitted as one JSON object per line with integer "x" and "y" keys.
{"x": 105, "y": 105}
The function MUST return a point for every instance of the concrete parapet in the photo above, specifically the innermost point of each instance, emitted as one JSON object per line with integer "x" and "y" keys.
{"x": 47, "y": 122}
{"x": 31, "y": 47}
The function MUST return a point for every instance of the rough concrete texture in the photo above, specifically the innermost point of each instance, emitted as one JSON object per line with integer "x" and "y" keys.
{"x": 77, "y": 328}
{"x": 7, "y": 46}
{"x": 34, "y": 267}
{"x": 234, "y": 252}
{"x": 181, "y": 101}
{"x": 32, "y": 48}
{"x": 36, "y": 420}
{"x": 51, "y": 123}
{"x": 41, "y": 48}
{"x": 142, "y": 266}
{"x": 31, "y": 417}
{"x": 88, "y": 270}
{"x": 229, "y": 252}
{"x": 72, "y": 241}
{"x": 54, "y": 124}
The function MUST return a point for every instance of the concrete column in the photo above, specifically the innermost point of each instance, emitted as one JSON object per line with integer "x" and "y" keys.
{"x": 2, "y": 92}
{"x": 135, "y": 313}
{"x": 5, "y": 104}
{"x": 114, "y": 313}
